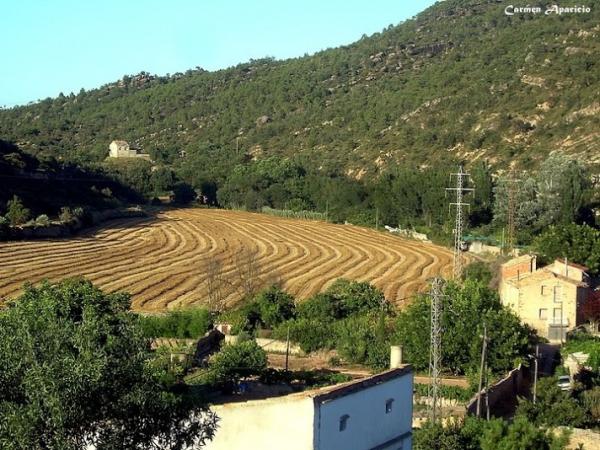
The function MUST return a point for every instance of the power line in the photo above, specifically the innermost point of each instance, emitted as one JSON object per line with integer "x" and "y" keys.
{"x": 461, "y": 179}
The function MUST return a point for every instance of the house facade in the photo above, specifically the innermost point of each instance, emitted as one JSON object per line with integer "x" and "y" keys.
{"x": 551, "y": 299}
{"x": 121, "y": 149}
{"x": 373, "y": 413}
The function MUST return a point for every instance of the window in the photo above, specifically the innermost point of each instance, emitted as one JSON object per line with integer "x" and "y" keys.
{"x": 543, "y": 314}
{"x": 544, "y": 290}
{"x": 344, "y": 422}
{"x": 388, "y": 405}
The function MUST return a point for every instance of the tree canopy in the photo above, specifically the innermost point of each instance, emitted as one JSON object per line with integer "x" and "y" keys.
{"x": 75, "y": 370}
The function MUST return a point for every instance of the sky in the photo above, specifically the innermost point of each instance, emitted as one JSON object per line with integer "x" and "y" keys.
{"x": 53, "y": 46}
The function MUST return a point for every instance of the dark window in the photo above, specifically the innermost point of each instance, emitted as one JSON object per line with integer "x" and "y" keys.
{"x": 388, "y": 405}
{"x": 344, "y": 422}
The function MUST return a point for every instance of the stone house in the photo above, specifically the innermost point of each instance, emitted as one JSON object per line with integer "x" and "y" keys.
{"x": 551, "y": 299}
{"x": 121, "y": 149}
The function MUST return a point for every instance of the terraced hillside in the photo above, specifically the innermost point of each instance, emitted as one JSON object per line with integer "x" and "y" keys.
{"x": 163, "y": 262}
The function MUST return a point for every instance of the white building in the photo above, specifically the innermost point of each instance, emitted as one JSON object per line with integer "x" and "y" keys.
{"x": 121, "y": 149}
{"x": 373, "y": 413}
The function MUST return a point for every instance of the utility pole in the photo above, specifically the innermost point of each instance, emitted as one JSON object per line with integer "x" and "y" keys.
{"x": 287, "y": 349}
{"x": 535, "y": 373}
{"x": 481, "y": 369}
{"x": 512, "y": 206}
{"x": 435, "y": 348}
{"x": 460, "y": 189}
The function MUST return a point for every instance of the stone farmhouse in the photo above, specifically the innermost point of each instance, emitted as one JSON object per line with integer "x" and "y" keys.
{"x": 372, "y": 413}
{"x": 121, "y": 149}
{"x": 551, "y": 299}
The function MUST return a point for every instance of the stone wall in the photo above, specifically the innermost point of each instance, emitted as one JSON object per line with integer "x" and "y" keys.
{"x": 501, "y": 394}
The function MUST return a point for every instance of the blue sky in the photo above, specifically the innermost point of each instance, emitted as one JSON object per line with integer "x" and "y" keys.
{"x": 48, "y": 47}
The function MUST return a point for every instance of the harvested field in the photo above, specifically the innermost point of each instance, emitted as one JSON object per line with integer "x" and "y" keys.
{"x": 164, "y": 261}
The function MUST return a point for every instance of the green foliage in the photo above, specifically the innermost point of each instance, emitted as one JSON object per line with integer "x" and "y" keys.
{"x": 451, "y": 392}
{"x": 311, "y": 335}
{"x": 521, "y": 434}
{"x": 183, "y": 193}
{"x": 181, "y": 324}
{"x": 553, "y": 407}
{"x": 478, "y": 271}
{"x": 474, "y": 304}
{"x": 274, "y": 306}
{"x": 235, "y": 362}
{"x": 16, "y": 212}
{"x": 42, "y": 220}
{"x": 578, "y": 243}
{"x": 76, "y": 370}
{"x": 477, "y": 434}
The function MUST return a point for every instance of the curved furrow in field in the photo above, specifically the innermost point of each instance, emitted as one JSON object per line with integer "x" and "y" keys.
{"x": 162, "y": 261}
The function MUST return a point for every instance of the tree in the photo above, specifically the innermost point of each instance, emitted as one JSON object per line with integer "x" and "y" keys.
{"x": 275, "y": 306}
{"x": 75, "y": 371}
{"x": 16, "y": 212}
{"x": 183, "y": 193}
{"x": 235, "y": 362}
{"x": 466, "y": 308}
{"x": 215, "y": 284}
{"x": 578, "y": 243}
{"x": 247, "y": 271}
{"x": 553, "y": 407}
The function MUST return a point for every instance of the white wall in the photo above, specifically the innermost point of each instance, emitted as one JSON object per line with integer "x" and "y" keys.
{"x": 276, "y": 423}
{"x": 368, "y": 425}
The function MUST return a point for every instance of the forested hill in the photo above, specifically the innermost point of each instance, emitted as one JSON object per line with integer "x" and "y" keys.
{"x": 460, "y": 80}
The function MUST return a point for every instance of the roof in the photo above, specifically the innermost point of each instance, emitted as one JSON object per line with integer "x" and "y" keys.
{"x": 540, "y": 275}
{"x": 120, "y": 142}
{"x": 323, "y": 394}
{"x": 340, "y": 390}
{"x": 518, "y": 260}
{"x": 571, "y": 264}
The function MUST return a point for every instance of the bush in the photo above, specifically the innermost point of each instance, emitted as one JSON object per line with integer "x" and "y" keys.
{"x": 311, "y": 335}
{"x": 275, "y": 306}
{"x": 181, "y": 324}
{"x": 66, "y": 215}
{"x": 16, "y": 212}
{"x": 183, "y": 193}
{"x": 235, "y": 362}
{"x": 4, "y": 227}
{"x": 42, "y": 221}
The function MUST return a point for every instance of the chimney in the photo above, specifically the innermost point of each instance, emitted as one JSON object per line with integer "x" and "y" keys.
{"x": 395, "y": 356}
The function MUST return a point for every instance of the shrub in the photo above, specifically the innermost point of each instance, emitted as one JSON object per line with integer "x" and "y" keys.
{"x": 16, "y": 212}
{"x": 66, "y": 215}
{"x": 235, "y": 362}
{"x": 275, "y": 306}
{"x": 311, "y": 335}
{"x": 42, "y": 221}
{"x": 181, "y": 324}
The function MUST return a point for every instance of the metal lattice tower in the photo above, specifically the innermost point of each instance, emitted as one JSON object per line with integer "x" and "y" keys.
{"x": 435, "y": 348}
{"x": 460, "y": 189}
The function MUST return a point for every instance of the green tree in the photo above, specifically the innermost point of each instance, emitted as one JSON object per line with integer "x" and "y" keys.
{"x": 75, "y": 370}
{"x": 466, "y": 308}
{"x": 183, "y": 193}
{"x": 16, "y": 212}
{"x": 553, "y": 406}
{"x": 235, "y": 362}
{"x": 275, "y": 306}
{"x": 578, "y": 243}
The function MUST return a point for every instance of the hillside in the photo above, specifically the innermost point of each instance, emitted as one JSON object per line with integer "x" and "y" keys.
{"x": 46, "y": 185}
{"x": 461, "y": 80}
